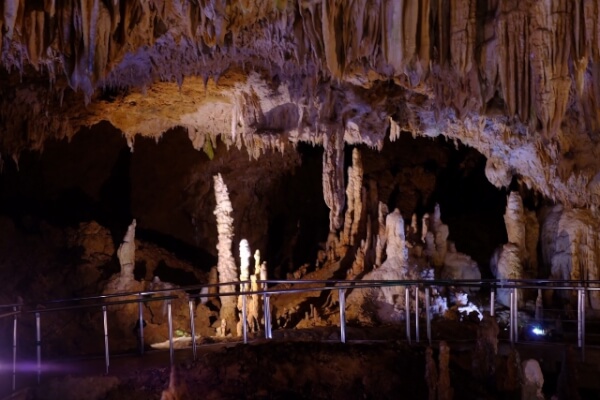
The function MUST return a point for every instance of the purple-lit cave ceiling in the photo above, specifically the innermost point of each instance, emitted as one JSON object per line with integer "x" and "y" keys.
{"x": 260, "y": 91}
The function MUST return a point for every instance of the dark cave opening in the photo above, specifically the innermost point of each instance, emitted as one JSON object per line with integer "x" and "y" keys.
{"x": 278, "y": 204}
{"x": 413, "y": 174}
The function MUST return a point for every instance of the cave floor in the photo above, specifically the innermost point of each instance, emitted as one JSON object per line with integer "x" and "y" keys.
{"x": 308, "y": 363}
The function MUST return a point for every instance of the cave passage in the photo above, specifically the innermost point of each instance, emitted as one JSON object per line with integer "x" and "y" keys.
{"x": 278, "y": 199}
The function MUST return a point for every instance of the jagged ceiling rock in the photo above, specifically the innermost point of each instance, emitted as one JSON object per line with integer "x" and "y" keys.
{"x": 517, "y": 80}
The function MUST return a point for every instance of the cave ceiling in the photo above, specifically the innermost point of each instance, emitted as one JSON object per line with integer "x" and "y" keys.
{"x": 517, "y": 80}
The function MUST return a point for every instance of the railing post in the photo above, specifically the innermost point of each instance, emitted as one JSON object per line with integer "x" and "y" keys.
{"x": 342, "y": 296}
{"x": 427, "y": 315}
{"x": 106, "y": 356}
{"x": 492, "y": 301}
{"x": 14, "y": 367}
{"x": 170, "y": 320}
{"x": 193, "y": 327}
{"x": 38, "y": 343}
{"x": 516, "y": 315}
{"x": 407, "y": 312}
{"x": 581, "y": 320}
{"x": 141, "y": 323}
{"x": 417, "y": 334}
{"x": 244, "y": 318}
{"x": 511, "y": 318}
{"x": 267, "y": 314}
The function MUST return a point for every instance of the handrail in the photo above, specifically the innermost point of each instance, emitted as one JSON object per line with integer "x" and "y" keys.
{"x": 298, "y": 286}
{"x": 497, "y": 283}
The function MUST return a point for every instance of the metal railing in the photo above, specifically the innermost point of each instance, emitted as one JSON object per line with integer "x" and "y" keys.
{"x": 290, "y": 287}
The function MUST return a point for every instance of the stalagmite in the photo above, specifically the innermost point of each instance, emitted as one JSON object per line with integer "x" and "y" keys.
{"x": 244, "y": 260}
{"x": 567, "y": 386}
{"x": 514, "y": 219}
{"x": 431, "y": 374}
{"x": 424, "y": 227}
{"x": 244, "y": 277}
{"x": 213, "y": 279}
{"x": 354, "y": 201}
{"x": 435, "y": 238}
{"x": 333, "y": 179}
{"x": 445, "y": 390}
{"x": 486, "y": 348}
{"x": 381, "y": 234}
{"x": 126, "y": 252}
{"x": 395, "y": 238}
{"x": 226, "y": 264}
{"x": 522, "y": 229}
{"x": 533, "y": 381}
{"x": 506, "y": 265}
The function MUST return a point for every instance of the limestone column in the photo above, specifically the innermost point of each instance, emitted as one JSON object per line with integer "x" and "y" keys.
{"x": 225, "y": 264}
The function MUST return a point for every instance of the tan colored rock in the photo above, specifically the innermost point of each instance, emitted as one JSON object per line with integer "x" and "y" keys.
{"x": 226, "y": 264}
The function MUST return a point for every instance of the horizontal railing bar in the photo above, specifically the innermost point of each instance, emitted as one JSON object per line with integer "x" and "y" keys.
{"x": 347, "y": 284}
{"x": 10, "y": 314}
{"x": 110, "y": 303}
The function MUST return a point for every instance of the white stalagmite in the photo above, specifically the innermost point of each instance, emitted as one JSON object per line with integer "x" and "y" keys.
{"x": 353, "y": 199}
{"x": 226, "y": 264}
{"x": 381, "y": 238}
{"x": 244, "y": 277}
{"x": 333, "y": 178}
{"x": 244, "y": 260}
{"x": 396, "y": 239}
{"x": 126, "y": 252}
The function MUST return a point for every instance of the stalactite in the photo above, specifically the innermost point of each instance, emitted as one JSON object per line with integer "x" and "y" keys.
{"x": 462, "y": 29}
{"x": 392, "y": 35}
{"x": 226, "y": 264}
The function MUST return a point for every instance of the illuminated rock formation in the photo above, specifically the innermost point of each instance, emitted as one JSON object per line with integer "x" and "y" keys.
{"x": 226, "y": 264}
{"x": 126, "y": 253}
{"x": 522, "y": 229}
{"x": 571, "y": 246}
{"x": 381, "y": 237}
{"x": 333, "y": 179}
{"x": 506, "y": 264}
{"x": 354, "y": 200}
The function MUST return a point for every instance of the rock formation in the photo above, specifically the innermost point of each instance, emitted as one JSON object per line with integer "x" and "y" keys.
{"x": 533, "y": 381}
{"x": 506, "y": 264}
{"x": 126, "y": 253}
{"x": 226, "y": 264}
{"x": 522, "y": 229}
{"x": 354, "y": 200}
{"x": 445, "y": 390}
{"x": 571, "y": 246}
{"x": 486, "y": 348}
